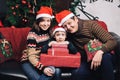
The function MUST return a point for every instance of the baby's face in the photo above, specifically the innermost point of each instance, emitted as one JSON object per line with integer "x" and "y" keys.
{"x": 60, "y": 36}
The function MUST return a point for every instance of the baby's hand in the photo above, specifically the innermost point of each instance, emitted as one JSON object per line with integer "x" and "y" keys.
{"x": 52, "y": 42}
{"x": 66, "y": 42}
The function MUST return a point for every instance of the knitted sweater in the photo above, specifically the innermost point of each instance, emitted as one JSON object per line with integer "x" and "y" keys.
{"x": 35, "y": 40}
{"x": 87, "y": 30}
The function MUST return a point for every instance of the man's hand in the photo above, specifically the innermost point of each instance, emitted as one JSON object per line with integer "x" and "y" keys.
{"x": 96, "y": 61}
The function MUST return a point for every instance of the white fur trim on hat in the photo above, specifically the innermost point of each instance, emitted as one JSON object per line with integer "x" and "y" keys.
{"x": 44, "y": 15}
{"x": 66, "y": 18}
{"x": 58, "y": 29}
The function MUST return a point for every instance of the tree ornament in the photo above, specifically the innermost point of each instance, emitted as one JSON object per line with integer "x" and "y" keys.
{"x": 17, "y": 6}
{"x": 25, "y": 20}
{"x": 24, "y": 2}
{"x": 12, "y": 7}
{"x": 14, "y": 13}
{"x": 29, "y": 6}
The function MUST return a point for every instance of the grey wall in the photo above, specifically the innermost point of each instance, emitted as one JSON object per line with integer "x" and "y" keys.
{"x": 109, "y": 12}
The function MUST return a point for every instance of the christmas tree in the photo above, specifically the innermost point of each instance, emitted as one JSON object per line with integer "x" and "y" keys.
{"x": 21, "y": 13}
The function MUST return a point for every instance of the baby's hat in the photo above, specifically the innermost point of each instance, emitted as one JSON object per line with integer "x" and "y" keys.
{"x": 58, "y": 28}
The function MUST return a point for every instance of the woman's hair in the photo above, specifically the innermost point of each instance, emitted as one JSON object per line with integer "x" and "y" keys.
{"x": 36, "y": 24}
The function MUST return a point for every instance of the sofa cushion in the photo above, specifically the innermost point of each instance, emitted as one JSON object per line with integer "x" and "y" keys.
{"x": 103, "y": 24}
{"x": 4, "y": 45}
{"x": 18, "y": 38}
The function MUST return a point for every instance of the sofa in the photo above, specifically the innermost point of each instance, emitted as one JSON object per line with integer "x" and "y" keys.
{"x": 11, "y": 69}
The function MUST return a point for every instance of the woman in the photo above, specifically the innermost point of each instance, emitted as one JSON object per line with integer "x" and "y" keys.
{"x": 38, "y": 36}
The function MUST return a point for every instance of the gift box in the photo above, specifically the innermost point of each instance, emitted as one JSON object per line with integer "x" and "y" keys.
{"x": 59, "y": 56}
{"x": 92, "y": 47}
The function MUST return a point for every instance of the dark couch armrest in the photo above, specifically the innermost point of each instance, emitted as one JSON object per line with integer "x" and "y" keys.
{"x": 11, "y": 70}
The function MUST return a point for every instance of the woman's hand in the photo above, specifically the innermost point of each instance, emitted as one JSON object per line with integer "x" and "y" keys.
{"x": 24, "y": 55}
{"x": 96, "y": 61}
{"x": 48, "y": 71}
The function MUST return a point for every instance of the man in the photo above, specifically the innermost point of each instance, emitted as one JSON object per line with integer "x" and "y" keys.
{"x": 80, "y": 32}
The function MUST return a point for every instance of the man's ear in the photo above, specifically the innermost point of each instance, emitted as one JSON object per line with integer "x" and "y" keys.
{"x": 75, "y": 18}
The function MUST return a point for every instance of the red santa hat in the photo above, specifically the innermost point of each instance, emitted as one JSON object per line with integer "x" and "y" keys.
{"x": 44, "y": 12}
{"x": 62, "y": 16}
{"x": 58, "y": 28}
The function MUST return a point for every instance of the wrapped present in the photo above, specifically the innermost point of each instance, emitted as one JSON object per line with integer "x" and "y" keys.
{"x": 59, "y": 56}
{"x": 92, "y": 47}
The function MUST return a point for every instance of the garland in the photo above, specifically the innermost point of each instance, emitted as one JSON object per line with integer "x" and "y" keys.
{"x": 6, "y": 48}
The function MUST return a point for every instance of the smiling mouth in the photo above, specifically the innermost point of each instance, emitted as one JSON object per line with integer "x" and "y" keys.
{"x": 69, "y": 30}
{"x": 45, "y": 27}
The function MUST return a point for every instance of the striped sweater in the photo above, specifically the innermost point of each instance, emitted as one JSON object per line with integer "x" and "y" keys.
{"x": 88, "y": 30}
